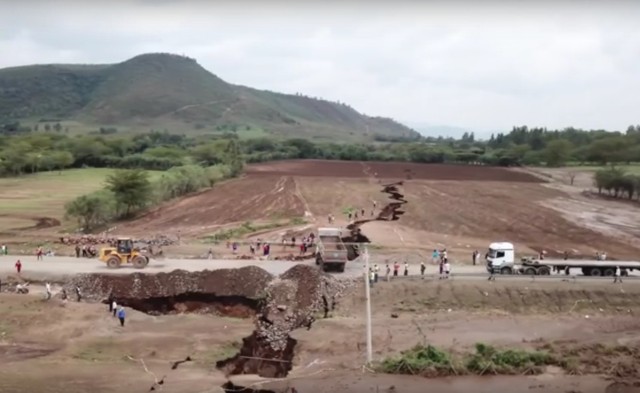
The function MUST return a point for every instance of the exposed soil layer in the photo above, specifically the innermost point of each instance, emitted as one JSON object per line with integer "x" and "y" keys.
{"x": 279, "y": 304}
{"x": 229, "y": 387}
{"x": 39, "y": 222}
{"x": 247, "y": 282}
{"x": 390, "y": 170}
{"x": 204, "y": 303}
{"x": 257, "y": 356}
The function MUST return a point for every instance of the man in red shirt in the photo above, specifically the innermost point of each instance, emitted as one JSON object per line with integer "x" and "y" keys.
{"x": 18, "y": 266}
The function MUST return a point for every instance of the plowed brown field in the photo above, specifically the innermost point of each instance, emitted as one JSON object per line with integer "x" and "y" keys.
{"x": 389, "y": 170}
{"x": 458, "y": 207}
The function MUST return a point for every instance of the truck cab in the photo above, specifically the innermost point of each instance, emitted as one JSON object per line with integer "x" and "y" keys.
{"x": 501, "y": 258}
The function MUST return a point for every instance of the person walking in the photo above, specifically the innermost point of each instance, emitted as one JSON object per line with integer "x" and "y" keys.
{"x": 376, "y": 270}
{"x": 435, "y": 256}
{"x": 48, "y": 289}
{"x": 114, "y": 307}
{"x": 422, "y": 269}
{"x": 18, "y": 266}
{"x": 78, "y": 294}
{"x": 388, "y": 272}
{"x": 447, "y": 268}
{"x": 121, "y": 315}
{"x": 474, "y": 256}
{"x": 617, "y": 278}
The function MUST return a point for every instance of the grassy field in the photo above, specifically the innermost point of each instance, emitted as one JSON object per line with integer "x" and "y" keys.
{"x": 44, "y": 194}
{"x": 632, "y": 169}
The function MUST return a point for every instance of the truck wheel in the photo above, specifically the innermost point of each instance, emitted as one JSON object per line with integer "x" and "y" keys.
{"x": 506, "y": 270}
{"x": 139, "y": 262}
{"x": 595, "y": 272}
{"x": 624, "y": 273}
{"x": 544, "y": 271}
{"x": 530, "y": 271}
{"x": 113, "y": 262}
{"x": 609, "y": 272}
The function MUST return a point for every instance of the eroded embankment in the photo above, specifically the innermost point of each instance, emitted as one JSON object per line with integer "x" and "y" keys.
{"x": 278, "y": 305}
{"x": 390, "y": 212}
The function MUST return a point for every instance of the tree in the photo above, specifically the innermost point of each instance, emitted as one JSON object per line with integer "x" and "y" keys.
{"x": 91, "y": 210}
{"x": 558, "y": 152}
{"x": 131, "y": 189}
{"x": 233, "y": 158}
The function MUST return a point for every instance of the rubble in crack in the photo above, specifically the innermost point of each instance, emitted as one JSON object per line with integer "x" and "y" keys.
{"x": 292, "y": 301}
{"x": 279, "y": 305}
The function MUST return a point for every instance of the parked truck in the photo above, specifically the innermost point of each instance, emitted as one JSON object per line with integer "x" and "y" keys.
{"x": 501, "y": 259}
{"x": 331, "y": 253}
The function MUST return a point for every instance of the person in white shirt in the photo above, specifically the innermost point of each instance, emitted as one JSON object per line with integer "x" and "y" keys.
{"x": 618, "y": 276}
{"x": 48, "y": 288}
{"x": 447, "y": 268}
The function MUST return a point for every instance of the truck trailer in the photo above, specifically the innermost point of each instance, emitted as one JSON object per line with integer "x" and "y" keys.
{"x": 501, "y": 259}
{"x": 331, "y": 253}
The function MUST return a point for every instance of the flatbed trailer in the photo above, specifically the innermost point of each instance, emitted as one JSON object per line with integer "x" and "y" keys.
{"x": 588, "y": 267}
{"x": 501, "y": 260}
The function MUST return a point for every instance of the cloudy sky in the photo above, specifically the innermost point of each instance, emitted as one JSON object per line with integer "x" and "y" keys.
{"x": 489, "y": 67}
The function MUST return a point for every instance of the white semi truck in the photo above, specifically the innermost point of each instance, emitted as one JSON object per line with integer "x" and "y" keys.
{"x": 331, "y": 252}
{"x": 501, "y": 259}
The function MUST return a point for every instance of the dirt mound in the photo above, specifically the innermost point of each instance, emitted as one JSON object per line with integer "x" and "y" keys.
{"x": 390, "y": 170}
{"x": 246, "y": 282}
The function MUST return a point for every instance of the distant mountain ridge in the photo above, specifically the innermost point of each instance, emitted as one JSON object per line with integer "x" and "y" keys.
{"x": 153, "y": 88}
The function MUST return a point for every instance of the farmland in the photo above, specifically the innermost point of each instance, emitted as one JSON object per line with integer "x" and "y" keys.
{"x": 460, "y": 208}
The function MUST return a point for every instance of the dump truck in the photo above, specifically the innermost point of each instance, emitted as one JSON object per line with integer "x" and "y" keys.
{"x": 331, "y": 253}
{"x": 502, "y": 260}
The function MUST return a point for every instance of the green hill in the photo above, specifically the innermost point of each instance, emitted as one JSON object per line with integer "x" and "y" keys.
{"x": 174, "y": 92}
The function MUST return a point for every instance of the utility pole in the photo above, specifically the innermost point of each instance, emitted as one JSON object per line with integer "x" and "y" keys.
{"x": 367, "y": 277}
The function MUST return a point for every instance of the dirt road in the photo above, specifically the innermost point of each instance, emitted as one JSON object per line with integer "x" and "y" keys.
{"x": 57, "y": 268}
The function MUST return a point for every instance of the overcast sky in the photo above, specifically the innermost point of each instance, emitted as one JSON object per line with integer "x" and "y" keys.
{"x": 486, "y": 67}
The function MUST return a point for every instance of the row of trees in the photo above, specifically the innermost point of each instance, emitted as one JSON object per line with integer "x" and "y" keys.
{"x": 33, "y": 152}
{"x": 617, "y": 183}
{"x": 130, "y": 191}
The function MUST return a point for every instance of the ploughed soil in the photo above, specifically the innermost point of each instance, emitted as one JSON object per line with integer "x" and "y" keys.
{"x": 389, "y": 170}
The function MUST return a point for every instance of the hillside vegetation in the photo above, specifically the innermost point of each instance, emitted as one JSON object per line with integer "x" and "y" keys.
{"x": 156, "y": 90}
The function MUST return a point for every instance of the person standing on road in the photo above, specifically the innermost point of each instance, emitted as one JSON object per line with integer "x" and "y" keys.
{"x": 474, "y": 257}
{"x": 388, "y": 272}
{"x": 435, "y": 256}
{"x": 422, "y": 269}
{"x": 406, "y": 268}
{"x": 447, "y": 268}
{"x": 617, "y": 278}
{"x": 18, "y": 266}
{"x": 121, "y": 315}
{"x": 48, "y": 289}
{"x": 77, "y": 251}
{"x": 490, "y": 268}
{"x": 441, "y": 268}
{"x": 78, "y": 294}
{"x": 396, "y": 268}
{"x": 376, "y": 270}
{"x": 114, "y": 307}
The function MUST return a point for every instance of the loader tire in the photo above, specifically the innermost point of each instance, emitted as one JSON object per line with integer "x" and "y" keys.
{"x": 113, "y": 263}
{"x": 139, "y": 262}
